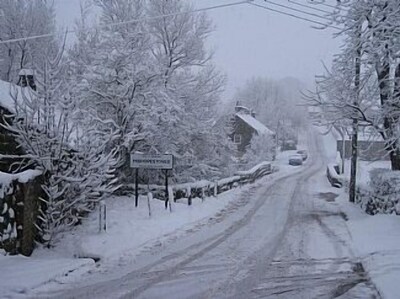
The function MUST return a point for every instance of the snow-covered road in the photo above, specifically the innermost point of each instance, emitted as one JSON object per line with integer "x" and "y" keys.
{"x": 283, "y": 239}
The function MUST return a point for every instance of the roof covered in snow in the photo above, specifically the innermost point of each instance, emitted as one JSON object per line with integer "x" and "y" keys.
{"x": 255, "y": 124}
{"x": 26, "y": 72}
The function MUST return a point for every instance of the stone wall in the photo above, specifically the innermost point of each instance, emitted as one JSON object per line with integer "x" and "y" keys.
{"x": 8, "y": 145}
{"x": 19, "y": 200}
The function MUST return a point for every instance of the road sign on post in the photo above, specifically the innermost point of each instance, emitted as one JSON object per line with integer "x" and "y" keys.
{"x": 162, "y": 162}
{"x": 152, "y": 161}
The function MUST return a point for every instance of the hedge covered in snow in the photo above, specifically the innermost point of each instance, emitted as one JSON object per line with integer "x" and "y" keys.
{"x": 382, "y": 194}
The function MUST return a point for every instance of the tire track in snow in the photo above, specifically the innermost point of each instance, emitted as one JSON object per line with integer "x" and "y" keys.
{"x": 162, "y": 269}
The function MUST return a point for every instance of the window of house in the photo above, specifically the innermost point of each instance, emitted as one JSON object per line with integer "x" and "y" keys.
{"x": 237, "y": 139}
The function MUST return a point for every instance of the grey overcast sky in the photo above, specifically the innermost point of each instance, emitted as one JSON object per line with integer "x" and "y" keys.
{"x": 250, "y": 41}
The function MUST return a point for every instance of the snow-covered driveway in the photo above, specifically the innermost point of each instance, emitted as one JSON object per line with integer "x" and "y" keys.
{"x": 287, "y": 240}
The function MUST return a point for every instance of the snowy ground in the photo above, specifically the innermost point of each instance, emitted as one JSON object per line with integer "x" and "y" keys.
{"x": 130, "y": 232}
{"x": 289, "y": 235}
{"x": 376, "y": 239}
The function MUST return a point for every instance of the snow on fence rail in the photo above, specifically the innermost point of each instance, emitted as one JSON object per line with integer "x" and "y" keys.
{"x": 204, "y": 188}
{"x": 17, "y": 211}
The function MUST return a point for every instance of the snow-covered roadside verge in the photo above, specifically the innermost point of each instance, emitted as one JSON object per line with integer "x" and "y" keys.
{"x": 375, "y": 239}
{"x": 130, "y": 232}
{"x": 19, "y": 274}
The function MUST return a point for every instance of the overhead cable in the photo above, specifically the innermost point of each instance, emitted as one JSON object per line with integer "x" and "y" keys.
{"x": 294, "y": 16}
{"x": 328, "y": 5}
{"x": 309, "y": 7}
{"x": 298, "y": 10}
{"x": 129, "y": 21}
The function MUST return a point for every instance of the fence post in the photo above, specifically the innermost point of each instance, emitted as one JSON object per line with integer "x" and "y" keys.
{"x": 149, "y": 199}
{"x": 166, "y": 189}
{"x": 189, "y": 193}
{"x": 171, "y": 197}
{"x": 216, "y": 189}
{"x": 102, "y": 216}
{"x": 136, "y": 186}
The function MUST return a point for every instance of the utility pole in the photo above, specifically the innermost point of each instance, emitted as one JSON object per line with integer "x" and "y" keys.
{"x": 354, "y": 137}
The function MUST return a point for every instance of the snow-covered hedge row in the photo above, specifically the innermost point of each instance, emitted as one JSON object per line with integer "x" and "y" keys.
{"x": 383, "y": 193}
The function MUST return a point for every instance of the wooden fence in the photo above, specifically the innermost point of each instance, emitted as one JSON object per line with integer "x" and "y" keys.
{"x": 204, "y": 188}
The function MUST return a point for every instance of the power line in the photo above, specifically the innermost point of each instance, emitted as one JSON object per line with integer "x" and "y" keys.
{"x": 14, "y": 40}
{"x": 328, "y": 5}
{"x": 309, "y": 7}
{"x": 294, "y": 16}
{"x": 297, "y": 10}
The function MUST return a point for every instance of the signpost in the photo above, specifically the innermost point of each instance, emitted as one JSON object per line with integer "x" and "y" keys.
{"x": 145, "y": 161}
{"x": 152, "y": 161}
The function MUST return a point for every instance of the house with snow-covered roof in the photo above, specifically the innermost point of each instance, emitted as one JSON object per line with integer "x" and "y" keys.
{"x": 8, "y": 143}
{"x": 245, "y": 126}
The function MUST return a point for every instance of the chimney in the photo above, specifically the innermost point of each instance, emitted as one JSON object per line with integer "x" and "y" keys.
{"x": 26, "y": 78}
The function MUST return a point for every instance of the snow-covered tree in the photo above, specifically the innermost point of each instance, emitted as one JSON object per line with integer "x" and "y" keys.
{"x": 276, "y": 103}
{"x": 369, "y": 68}
{"x": 22, "y": 18}
{"x": 261, "y": 148}
{"x": 118, "y": 79}
{"x": 153, "y": 83}
{"x": 47, "y": 123}
{"x": 192, "y": 84}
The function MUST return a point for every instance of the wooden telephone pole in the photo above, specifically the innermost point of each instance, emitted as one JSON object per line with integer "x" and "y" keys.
{"x": 354, "y": 137}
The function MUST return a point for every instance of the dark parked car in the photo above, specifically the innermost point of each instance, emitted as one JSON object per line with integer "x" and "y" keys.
{"x": 295, "y": 160}
{"x": 332, "y": 172}
{"x": 303, "y": 154}
{"x": 288, "y": 145}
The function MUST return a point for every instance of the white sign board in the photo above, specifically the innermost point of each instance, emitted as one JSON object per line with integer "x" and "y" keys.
{"x": 152, "y": 161}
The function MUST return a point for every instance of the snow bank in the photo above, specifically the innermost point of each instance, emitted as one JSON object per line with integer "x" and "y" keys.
{"x": 19, "y": 274}
{"x": 375, "y": 239}
{"x": 263, "y": 165}
{"x": 377, "y": 242}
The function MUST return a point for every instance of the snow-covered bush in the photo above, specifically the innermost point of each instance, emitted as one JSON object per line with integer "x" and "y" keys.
{"x": 69, "y": 150}
{"x": 384, "y": 192}
{"x": 384, "y": 181}
{"x": 154, "y": 84}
